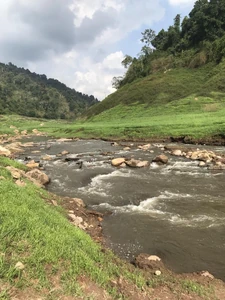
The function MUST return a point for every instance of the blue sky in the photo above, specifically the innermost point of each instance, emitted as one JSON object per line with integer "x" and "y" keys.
{"x": 80, "y": 42}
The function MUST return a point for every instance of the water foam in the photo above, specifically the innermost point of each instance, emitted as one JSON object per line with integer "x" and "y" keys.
{"x": 98, "y": 186}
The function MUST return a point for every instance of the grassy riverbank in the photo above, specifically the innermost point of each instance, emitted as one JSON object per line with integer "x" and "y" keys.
{"x": 192, "y": 117}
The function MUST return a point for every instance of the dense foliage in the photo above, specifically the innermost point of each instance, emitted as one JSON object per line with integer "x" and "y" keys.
{"x": 192, "y": 42}
{"x": 30, "y": 94}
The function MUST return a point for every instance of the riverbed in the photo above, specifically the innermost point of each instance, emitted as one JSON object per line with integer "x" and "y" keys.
{"x": 175, "y": 211}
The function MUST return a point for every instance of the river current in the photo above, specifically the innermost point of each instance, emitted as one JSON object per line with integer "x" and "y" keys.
{"x": 175, "y": 211}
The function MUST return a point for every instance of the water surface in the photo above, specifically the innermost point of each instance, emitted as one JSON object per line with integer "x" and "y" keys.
{"x": 176, "y": 211}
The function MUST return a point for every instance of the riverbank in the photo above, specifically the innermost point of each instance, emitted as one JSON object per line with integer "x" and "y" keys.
{"x": 165, "y": 127}
{"x": 40, "y": 232}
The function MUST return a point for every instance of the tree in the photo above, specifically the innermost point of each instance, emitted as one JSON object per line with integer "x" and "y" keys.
{"x": 148, "y": 36}
{"x": 127, "y": 61}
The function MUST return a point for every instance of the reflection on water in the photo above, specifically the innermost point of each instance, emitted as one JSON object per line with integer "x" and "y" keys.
{"x": 175, "y": 211}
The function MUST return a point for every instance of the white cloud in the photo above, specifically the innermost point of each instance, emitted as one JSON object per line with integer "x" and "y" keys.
{"x": 75, "y": 41}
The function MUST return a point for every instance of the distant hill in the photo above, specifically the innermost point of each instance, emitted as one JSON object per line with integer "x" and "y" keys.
{"x": 29, "y": 94}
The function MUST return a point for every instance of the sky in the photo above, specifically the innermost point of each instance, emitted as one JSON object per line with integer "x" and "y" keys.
{"x": 80, "y": 42}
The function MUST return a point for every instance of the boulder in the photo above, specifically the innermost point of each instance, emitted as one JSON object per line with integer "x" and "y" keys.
{"x": 24, "y": 132}
{"x": 47, "y": 157}
{"x": 177, "y": 152}
{"x": 202, "y": 164}
{"x": 143, "y": 262}
{"x": 134, "y": 163}
{"x": 15, "y": 147}
{"x": 194, "y": 155}
{"x": 4, "y": 151}
{"x": 72, "y": 157}
{"x": 144, "y": 147}
{"x": 154, "y": 258}
{"x": 32, "y": 164}
{"x": 114, "y": 144}
{"x": 162, "y": 159}
{"x": 117, "y": 161}
{"x": 207, "y": 274}
{"x": 126, "y": 149}
{"x": 16, "y": 173}
{"x": 38, "y": 177}
{"x": 28, "y": 144}
{"x": 64, "y": 152}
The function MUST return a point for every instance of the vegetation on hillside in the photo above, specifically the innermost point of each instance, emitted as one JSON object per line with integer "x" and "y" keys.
{"x": 175, "y": 86}
{"x": 34, "y": 95}
{"x": 192, "y": 42}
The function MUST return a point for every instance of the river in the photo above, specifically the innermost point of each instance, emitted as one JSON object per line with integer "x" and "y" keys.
{"x": 175, "y": 211}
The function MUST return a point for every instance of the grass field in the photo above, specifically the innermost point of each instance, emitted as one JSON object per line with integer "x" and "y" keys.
{"x": 194, "y": 117}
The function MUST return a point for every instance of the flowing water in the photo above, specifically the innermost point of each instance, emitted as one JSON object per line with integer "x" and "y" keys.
{"x": 176, "y": 211}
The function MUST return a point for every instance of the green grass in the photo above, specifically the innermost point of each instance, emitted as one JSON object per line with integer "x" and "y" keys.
{"x": 40, "y": 236}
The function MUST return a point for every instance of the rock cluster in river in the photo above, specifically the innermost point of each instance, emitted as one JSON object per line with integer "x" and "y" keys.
{"x": 206, "y": 158}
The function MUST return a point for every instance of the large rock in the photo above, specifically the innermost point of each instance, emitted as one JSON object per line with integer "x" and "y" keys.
{"x": 116, "y": 162}
{"x": 161, "y": 159}
{"x": 32, "y": 164}
{"x": 144, "y": 147}
{"x": 134, "y": 163}
{"x": 177, "y": 152}
{"x": 16, "y": 173}
{"x": 4, "y": 151}
{"x": 15, "y": 147}
{"x": 38, "y": 177}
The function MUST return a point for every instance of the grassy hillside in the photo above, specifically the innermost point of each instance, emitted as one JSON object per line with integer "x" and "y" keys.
{"x": 179, "y": 102}
{"x": 34, "y": 95}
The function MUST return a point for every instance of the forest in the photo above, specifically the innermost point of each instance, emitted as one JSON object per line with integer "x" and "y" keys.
{"x": 29, "y": 94}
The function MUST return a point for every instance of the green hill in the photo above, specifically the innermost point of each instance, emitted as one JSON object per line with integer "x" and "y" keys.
{"x": 175, "y": 86}
{"x": 29, "y": 94}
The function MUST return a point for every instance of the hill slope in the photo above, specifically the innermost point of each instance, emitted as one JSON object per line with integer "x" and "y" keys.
{"x": 34, "y": 95}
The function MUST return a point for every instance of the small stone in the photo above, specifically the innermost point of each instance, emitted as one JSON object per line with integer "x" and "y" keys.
{"x": 20, "y": 183}
{"x": 202, "y": 164}
{"x": 114, "y": 144}
{"x": 158, "y": 273}
{"x": 154, "y": 258}
{"x": 207, "y": 274}
{"x": 47, "y": 157}
{"x": 100, "y": 219}
{"x": 126, "y": 149}
{"x": 65, "y": 152}
{"x": 19, "y": 266}
{"x": 54, "y": 203}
